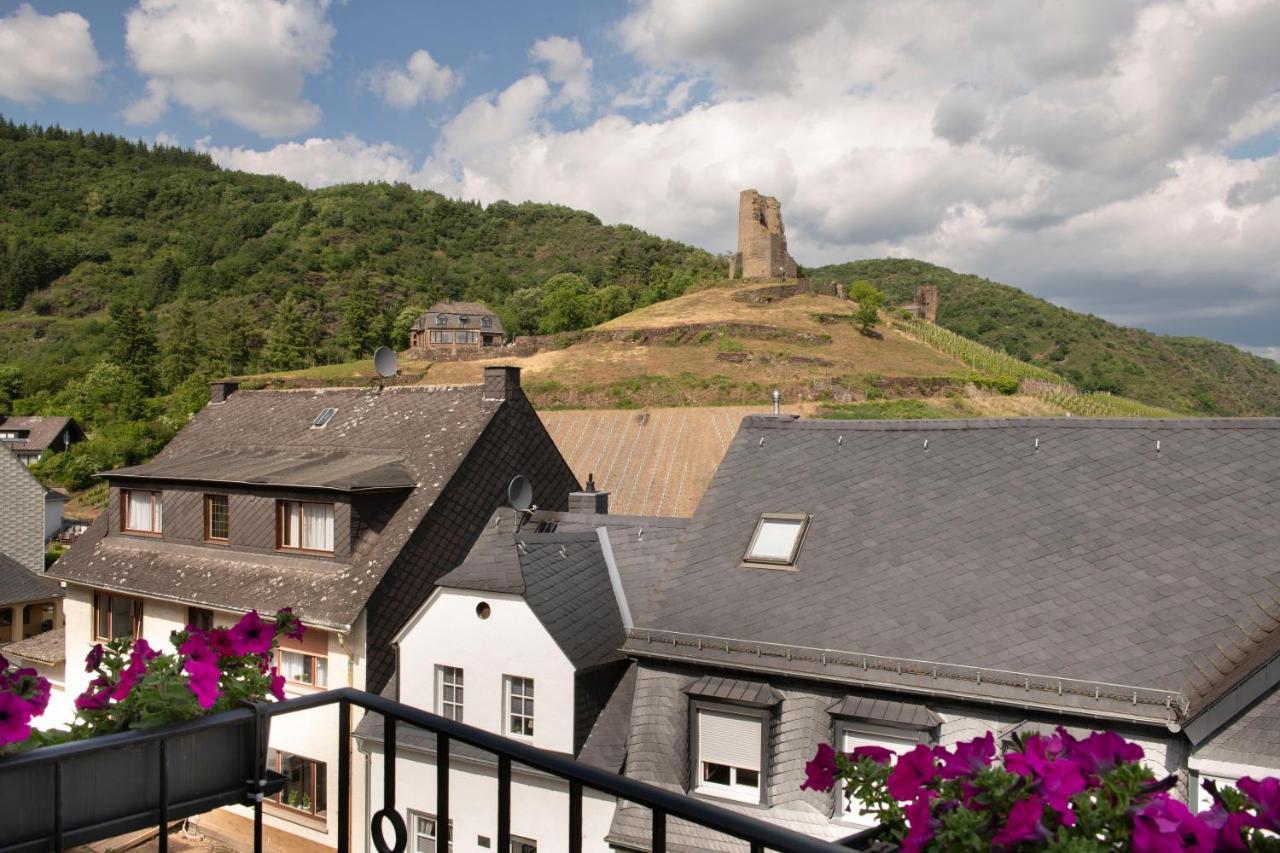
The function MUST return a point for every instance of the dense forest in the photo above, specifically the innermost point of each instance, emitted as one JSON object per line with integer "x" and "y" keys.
{"x": 1184, "y": 374}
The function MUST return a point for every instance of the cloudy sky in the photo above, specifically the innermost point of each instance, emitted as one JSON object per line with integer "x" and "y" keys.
{"x": 1118, "y": 158}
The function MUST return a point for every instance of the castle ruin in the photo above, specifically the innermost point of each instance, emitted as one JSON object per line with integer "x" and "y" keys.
{"x": 926, "y": 302}
{"x": 762, "y": 241}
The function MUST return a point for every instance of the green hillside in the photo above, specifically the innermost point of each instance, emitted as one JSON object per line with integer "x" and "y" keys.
{"x": 1192, "y": 375}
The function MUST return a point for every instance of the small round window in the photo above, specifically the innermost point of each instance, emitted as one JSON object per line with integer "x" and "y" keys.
{"x": 483, "y": 610}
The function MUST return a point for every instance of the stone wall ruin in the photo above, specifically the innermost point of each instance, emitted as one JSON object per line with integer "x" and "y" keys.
{"x": 762, "y": 240}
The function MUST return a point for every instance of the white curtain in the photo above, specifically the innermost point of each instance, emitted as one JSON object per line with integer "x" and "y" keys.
{"x": 138, "y": 508}
{"x": 317, "y": 532}
{"x": 291, "y": 535}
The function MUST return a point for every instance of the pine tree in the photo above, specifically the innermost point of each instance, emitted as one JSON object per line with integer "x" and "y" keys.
{"x": 364, "y": 325}
{"x": 182, "y": 350}
{"x": 133, "y": 343}
{"x": 287, "y": 339}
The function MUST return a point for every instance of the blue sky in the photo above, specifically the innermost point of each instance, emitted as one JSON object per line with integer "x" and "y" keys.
{"x": 1115, "y": 156}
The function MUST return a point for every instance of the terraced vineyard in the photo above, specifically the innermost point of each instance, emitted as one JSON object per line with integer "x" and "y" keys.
{"x": 980, "y": 357}
{"x": 654, "y": 462}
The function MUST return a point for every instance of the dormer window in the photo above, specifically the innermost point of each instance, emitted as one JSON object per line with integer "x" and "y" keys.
{"x": 304, "y": 526}
{"x": 442, "y": 320}
{"x": 323, "y": 418}
{"x": 776, "y": 541}
{"x": 141, "y": 511}
{"x": 486, "y": 322}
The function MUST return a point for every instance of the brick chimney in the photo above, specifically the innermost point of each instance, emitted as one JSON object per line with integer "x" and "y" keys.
{"x": 502, "y": 383}
{"x": 589, "y": 501}
{"x": 220, "y": 391}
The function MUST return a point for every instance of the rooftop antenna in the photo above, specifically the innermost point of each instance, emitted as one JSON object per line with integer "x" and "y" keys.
{"x": 386, "y": 362}
{"x": 520, "y": 498}
{"x": 591, "y": 482}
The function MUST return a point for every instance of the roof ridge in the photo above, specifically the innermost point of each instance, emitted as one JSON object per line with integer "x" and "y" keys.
{"x": 774, "y": 422}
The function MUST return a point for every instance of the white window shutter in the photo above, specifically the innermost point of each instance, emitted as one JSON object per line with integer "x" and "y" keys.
{"x": 732, "y": 739}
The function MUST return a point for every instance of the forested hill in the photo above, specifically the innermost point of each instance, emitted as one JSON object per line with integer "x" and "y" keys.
{"x": 225, "y": 272}
{"x": 1185, "y": 374}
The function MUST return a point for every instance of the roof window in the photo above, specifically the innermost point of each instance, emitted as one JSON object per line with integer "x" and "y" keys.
{"x": 442, "y": 320}
{"x": 464, "y": 319}
{"x": 776, "y": 541}
{"x": 323, "y": 418}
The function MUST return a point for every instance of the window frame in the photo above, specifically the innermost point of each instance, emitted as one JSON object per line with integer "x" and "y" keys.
{"x": 156, "y": 502}
{"x": 486, "y": 322}
{"x": 731, "y": 793}
{"x": 278, "y": 798}
{"x": 443, "y": 706}
{"x": 312, "y": 667}
{"x": 508, "y": 682}
{"x": 301, "y": 549}
{"x": 442, "y": 320}
{"x": 750, "y": 562}
{"x": 413, "y": 816}
{"x": 322, "y": 420}
{"x": 98, "y": 596}
{"x": 880, "y": 735}
{"x": 522, "y": 840}
{"x": 196, "y": 615}
{"x": 208, "y": 518}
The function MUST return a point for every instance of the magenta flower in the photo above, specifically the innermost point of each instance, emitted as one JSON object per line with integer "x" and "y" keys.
{"x": 1100, "y": 751}
{"x": 93, "y": 660}
{"x": 15, "y": 718}
{"x": 1229, "y": 826}
{"x": 878, "y": 754}
{"x": 1056, "y": 778}
{"x": 920, "y": 824}
{"x": 1023, "y": 823}
{"x": 202, "y": 679}
{"x": 820, "y": 771}
{"x": 196, "y": 648}
{"x": 294, "y": 629}
{"x": 251, "y": 635}
{"x": 137, "y": 668}
{"x": 1164, "y": 824}
{"x": 220, "y": 642}
{"x": 29, "y": 685}
{"x": 914, "y": 770}
{"x": 1267, "y": 796}
{"x": 97, "y": 696}
{"x": 969, "y": 757}
{"x": 277, "y": 685}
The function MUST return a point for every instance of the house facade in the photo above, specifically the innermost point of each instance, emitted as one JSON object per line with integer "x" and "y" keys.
{"x": 345, "y": 504}
{"x": 523, "y": 640}
{"x": 896, "y": 583}
{"x": 456, "y": 326}
{"x": 31, "y": 436}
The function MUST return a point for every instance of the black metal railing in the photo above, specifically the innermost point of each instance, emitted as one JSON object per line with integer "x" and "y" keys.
{"x": 170, "y": 757}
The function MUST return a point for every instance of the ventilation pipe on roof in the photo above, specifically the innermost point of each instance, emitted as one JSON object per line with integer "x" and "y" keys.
{"x": 777, "y": 401}
{"x": 501, "y": 382}
{"x": 589, "y": 501}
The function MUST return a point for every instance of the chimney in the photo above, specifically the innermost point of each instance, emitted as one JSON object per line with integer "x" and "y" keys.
{"x": 501, "y": 383}
{"x": 589, "y": 501}
{"x": 220, "y": 391}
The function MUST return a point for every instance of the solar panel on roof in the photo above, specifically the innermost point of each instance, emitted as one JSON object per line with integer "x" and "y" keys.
{"x": 323, "y": 418}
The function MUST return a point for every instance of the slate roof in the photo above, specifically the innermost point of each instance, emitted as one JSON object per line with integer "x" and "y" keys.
{"x": 756, "y": 694}
{"x": 18, "y": 584}
{"x": 47, "y": 647}
{"x": 43, "y": 430}
{"x": 1093, "y": 556}
{"x": 333, "y": 470}
{"x": 910, "y": 715}
{"x": 606, "y": 744}
{"x": 452, "y": 311}
{"x": 1253, "y": 738}
{"x": 430, "y": 429}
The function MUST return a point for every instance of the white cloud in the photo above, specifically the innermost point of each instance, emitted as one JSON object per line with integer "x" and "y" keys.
{"x": 46, "y": 56}
{"x": 568, "y": 66}
{"x": 245, "y": 61}
{"x": 1272, "y": 353}
{"x": 421, "y": 79}
{"x": 319, "y": 162}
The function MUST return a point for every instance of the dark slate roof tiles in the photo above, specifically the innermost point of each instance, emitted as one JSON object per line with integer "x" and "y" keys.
{"x": 18, "y": 584}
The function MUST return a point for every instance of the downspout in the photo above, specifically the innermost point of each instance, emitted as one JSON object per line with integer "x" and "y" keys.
{"x": 367, "y": 835}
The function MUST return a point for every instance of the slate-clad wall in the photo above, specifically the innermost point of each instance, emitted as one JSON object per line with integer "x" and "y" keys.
{"x": 592, "y": 689}
{"x": 514, "y": 442}
{"x": 252, "y": 518}
{"x": 22, "y": 508}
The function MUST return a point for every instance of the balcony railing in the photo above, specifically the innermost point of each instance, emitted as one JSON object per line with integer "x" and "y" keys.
{"x": 388, "y": 830}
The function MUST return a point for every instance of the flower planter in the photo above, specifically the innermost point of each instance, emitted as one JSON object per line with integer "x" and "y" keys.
{"x": 119, "y": 783}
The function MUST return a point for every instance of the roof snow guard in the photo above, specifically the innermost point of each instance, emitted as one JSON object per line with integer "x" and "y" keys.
{"x": 1023, "y": 689}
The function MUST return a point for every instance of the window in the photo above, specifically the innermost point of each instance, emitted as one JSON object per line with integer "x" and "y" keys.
{"x": 463, "y": 320}
{"x": 467, "y": 337}
{"x": 523, "y": 845}
{"x": 323, "y": 418}
{"x": 519, "y": 696}
{"x": 303, "y": 668}
{"x": 730, "y": 751}
{"x": 486, "y": 322}
{"x": 116, "y": 616}
{"x": 140, "y": 512}
{"x": 442, "y": 320}
{"x": 304, "y": 526}
{"x": 200, "y": 618}
{"x": 423, "y": 832}
{"x": 850, "y": 808}
{"x": 6, "y": 617}
{"x": 442, "y": 337}
{"x": 217, "y": 518}
{"x": 777, "y": 539}
{"x": 449, "y": 692}
{"x": 305, "y": 789}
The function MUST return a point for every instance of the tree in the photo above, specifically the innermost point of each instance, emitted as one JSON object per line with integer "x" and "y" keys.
{"x": 133, "y": 342}
{"x": 106, "y": 394}
{"x": 164, "y": 280}
{"x": 566, "y": 303}
{"x": 402, "y": 328}
{"x": 10, "y": 386}
{"x": 521, "y": 311}
{"x": 869, "y": 300}
{"x": 364, "y": 326}
{"x": 609, "y": 302}
{"x": 181, "y": 352}
{"x": 230, "y": 340}
{"x": 287, "y": 339}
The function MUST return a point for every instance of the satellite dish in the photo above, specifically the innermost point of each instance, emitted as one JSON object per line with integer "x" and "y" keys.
{"x": 386, "y": 362}
{"x": 520, "y": 493}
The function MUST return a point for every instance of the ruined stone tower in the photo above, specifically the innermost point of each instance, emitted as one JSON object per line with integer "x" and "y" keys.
{"x": 762, "y": 241}
{"x": 926, "y": 302}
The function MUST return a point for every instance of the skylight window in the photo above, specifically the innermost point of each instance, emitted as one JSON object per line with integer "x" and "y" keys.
{"x": 777, "y": 539}
{"x": 323, "y": 418}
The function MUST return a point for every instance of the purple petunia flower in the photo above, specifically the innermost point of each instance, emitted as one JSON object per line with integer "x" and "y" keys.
{"x": 1023, "y": 823}
{"x": 286, "y": 619}
{"x": 969, "y": 757}
{"x": 277, "y": 685}
{"x": 132, "y": 674}
{"x": 1266, "y": 794}
{"x": 202, "y": 679}
{"x": 913, "y": 771}
{"x": 1100, "y": 751}
{"x": 1163, "y": 824}
{"x": 921, "y": 826}
{"x": 15, "y": 718}
{"x": 820, "y": 771}
{"x": 93, "y": 660}
{"x": 97, "y": 696}
{"x": 878, "y": 754}
{"x": 1055, "y": 778}
{"x": 251, "y": 635}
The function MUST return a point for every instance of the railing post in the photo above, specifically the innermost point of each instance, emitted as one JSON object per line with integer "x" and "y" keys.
{"x": 504, "y": 802}
{"x": 442, "y": 790}
{"x": 344, "y": 776}
{"x": 162, "y": 841}
{"x": 57, "y": 807}
{"x": 575, "y": 816}
{"x": 658, "y": 838}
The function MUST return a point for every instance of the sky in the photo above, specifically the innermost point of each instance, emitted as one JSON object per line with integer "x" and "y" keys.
{"x": 1120, "y": 158}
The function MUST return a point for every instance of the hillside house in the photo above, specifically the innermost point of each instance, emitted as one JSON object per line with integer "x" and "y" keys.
{"x": 30, "y": 437}
{"x": 896, "y": 583}
{"x": 347, "y": 505}
{"x": 455, "y": 326}
{"x": 523, "y": 639}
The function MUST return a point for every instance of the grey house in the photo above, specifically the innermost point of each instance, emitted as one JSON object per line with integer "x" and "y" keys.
{"x": 906, "y": 582}
{"x": 31, "y": 436}
{"x": 455, "y": 326}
